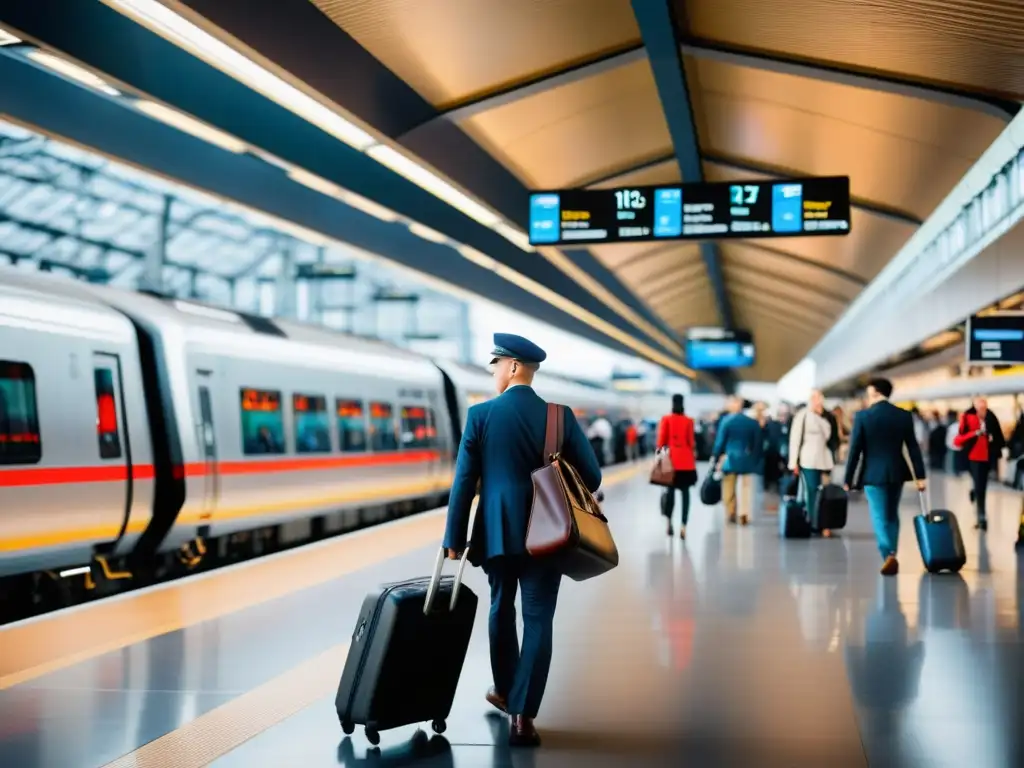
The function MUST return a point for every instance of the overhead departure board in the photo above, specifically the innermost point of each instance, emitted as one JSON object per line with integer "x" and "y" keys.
{"x": 996, "y": 339}
{"x": 702, "y": 211}
{"x": 711, "y": 348}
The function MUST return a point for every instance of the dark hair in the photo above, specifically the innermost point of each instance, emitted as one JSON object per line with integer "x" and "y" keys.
{"x": 882, "y": 386}
{"x": 952, "y": 414}
{"x": 677, "y": 404}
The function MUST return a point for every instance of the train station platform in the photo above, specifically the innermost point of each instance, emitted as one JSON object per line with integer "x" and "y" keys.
{"x": 732, "y": 648}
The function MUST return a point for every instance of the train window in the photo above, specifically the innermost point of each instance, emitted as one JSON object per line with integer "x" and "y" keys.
{"x": 106, "y": 414}
{"x": 19, "y": 419}
{"x": 382, "y": 427}
{"x": 312, "y": 424}
{"x": 351, "y": 425}
{"x": 262, "y": 421}
{"x": 417, "y": 427}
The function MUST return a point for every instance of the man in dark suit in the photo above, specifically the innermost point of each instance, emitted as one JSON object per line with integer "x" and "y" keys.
{"x": 879, "y": 434}
{"x": 740, "y": 446}
{"x": 502, "y": 444}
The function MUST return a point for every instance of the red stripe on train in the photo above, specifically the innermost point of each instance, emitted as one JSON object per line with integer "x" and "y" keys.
{"x": 70, "y": 475}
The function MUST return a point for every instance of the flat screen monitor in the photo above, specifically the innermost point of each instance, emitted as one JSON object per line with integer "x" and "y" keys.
{"x": 710, "y": 349}
{"x": 996, "y": 339}
{"x": 693, "y": 211}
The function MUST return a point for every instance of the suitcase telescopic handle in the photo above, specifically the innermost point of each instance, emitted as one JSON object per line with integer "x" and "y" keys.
{"x": 435, "y": 579}
{"x": 921, "y": 497}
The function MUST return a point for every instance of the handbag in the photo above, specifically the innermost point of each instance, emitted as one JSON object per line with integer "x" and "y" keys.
{"x": 566, "y": 523}
{"x": 662, "y": 473}
{"x": 711, "y": 488}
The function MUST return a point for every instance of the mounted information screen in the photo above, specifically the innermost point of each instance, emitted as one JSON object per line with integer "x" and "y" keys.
{"x": 703, "y": 211}
{"x": 996, "y": 339}
{"x": 712, "y": 348}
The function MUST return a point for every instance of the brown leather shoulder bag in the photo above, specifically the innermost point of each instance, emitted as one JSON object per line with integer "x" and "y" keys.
{"x": 566, "y": 522}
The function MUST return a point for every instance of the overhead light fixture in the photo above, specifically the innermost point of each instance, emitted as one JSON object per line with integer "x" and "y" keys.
{"x": 165, "y": 22}
{"x": 190, "y": 125}
{"x": 370, "y": 207}
{"x": 71, "y": 71}
{"x": 433, "y": 184}
{"x": 314, "y": 182}
{"x": 480, "y": 259}
{"x": 514, "y": 236}
{"x": 6, "y": 38}
{"x": 427, "y": 233}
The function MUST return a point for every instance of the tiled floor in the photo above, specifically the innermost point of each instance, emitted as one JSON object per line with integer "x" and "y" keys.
{"x": 732, "y": 648}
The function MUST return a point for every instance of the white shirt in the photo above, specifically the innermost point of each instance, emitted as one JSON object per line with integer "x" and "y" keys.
{"x": 813, "y": 431}
{"x": 600, "y": 428}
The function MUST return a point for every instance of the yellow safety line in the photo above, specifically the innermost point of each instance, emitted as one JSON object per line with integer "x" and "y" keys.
{"x": 64, "y": 639}
{"x": 201, "y": 741}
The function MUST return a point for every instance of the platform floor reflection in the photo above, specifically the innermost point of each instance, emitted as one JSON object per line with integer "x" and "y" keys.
{"x": 732, "y": 648}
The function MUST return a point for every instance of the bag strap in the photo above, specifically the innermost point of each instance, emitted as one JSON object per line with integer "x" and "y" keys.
{"x": 553, "y": 432}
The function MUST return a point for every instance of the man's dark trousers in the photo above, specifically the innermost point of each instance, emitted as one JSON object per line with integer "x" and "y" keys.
{"x": 522, "y": 677}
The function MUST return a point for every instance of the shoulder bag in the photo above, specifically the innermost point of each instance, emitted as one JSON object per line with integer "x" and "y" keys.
{"x": 662, "y": 472}
{"x": 566, "y": 523}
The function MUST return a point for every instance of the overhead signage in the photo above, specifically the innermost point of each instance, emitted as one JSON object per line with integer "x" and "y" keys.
{"x": 996, "y": 339}
{"x": 699, "y": 211}
{"x": 715, "y": 348}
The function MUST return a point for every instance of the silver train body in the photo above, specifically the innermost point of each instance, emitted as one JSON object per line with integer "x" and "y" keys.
{"x": 132, "y": 425}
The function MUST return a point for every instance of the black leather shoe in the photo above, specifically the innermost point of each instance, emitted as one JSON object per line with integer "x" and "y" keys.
{"x": 522, "y": 733}
{"x": 496, "y": 700}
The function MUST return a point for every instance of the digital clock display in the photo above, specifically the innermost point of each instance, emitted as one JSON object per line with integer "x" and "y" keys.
{"x": 701, "y": 211}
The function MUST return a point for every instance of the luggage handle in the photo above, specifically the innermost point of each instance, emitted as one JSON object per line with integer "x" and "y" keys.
{"x": 920, "y": 494}
{"x": 435, "y": 579}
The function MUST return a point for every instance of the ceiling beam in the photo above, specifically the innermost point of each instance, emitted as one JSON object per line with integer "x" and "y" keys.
{"x": 543, "y": 83}
{"x": 658, "y": 30}
{"x": 1004, "y": 109}
{"x": 758, "y": 245}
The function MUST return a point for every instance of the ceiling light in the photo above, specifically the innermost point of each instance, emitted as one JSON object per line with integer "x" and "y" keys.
{"x": 427, "y": 233}
{"x": 71, "y": 71}
{"x": 6, "y": 38}
{"x": 205, "y": 46}
{"x": 370, "y": 207}
{"x": 436, "y": 186}
{"x": 514, "y": 236}
{"x": 314, "y": 182}
{"x": 190, "y": 125}
{"x": 480, "y": 259}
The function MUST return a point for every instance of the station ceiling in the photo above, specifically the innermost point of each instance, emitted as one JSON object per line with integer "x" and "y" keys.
{"x": 501, "y": 96}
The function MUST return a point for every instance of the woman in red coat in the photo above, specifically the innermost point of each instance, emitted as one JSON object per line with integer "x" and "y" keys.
{"x": 981, "y": 437}
{"x": 676, "y": 434}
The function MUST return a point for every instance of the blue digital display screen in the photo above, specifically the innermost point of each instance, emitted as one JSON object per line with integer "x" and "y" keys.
{"x": 695, "y": 211}
{"x": 709, "y": 354}
{"x": 996, "y": 339}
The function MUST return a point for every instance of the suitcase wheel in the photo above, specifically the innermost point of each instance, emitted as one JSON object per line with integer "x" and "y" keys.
{"x": 372, "y": 735}
{"x": 439, "y": 726}
{"x": 348, "y": 727}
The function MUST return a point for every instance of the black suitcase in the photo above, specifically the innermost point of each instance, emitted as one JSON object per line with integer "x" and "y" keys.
{"x": 939, "y": 539}
{"x": 832, "y": 504}
{"x": 793, "y": 522}
{"x": 407, "y": 652}
{"x": 711, "y": 488}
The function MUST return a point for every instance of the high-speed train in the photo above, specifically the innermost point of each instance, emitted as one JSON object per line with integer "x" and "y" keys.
{"x": 139, "y": 435}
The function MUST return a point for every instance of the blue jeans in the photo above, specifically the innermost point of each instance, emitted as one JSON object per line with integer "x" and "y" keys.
{"x": 884, "y": 505}
{"x": 812, "y": 483}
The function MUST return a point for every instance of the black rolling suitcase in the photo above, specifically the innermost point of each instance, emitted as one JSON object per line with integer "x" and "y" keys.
{"x": 407, "y": 653}
{"x": 832, "y": 506}
{"x": 793, "y": 522}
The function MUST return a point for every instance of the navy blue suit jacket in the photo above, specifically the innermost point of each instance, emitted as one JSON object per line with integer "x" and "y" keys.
{"x": 879, "y": 434}
{"x": 741, "y": 439}
{"x": 502, "y": 444}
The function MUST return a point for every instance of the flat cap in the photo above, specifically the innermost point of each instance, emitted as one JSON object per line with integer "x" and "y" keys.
{"x": 518, "y": 348}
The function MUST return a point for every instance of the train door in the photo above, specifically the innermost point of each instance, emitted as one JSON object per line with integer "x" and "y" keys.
{"x": 112, "y": 425}
{"x": 206, "y": 437}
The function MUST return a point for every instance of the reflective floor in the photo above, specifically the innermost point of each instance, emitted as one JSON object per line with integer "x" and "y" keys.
{"x": 732, "y": 648}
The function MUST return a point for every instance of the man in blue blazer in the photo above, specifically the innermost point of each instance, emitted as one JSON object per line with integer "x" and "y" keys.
{"x": 502, "y": 444}
{"x": 879, "y": 434}
{"x": 740, "y": 446}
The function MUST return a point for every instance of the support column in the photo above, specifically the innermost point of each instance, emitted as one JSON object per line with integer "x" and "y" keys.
{"x": 285, "y": 288}
{"x": 152, "y": 278}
